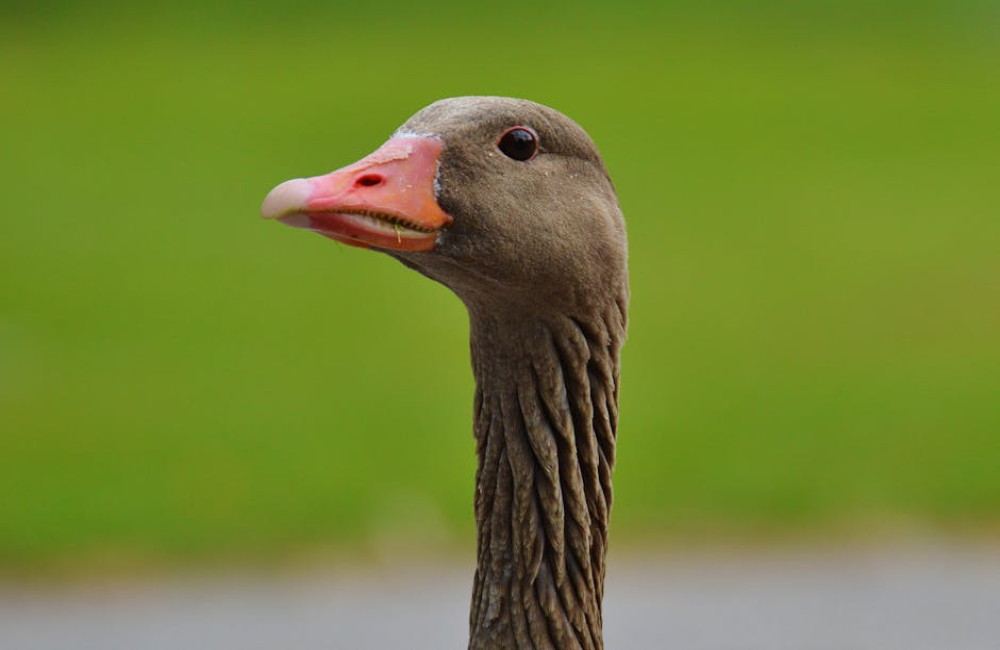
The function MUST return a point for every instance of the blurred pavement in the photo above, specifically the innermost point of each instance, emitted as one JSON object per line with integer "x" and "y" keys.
{"x": 897, "y": 598}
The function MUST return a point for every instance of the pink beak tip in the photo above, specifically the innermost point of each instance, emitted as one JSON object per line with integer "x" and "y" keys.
{"x": 285, "y": 199}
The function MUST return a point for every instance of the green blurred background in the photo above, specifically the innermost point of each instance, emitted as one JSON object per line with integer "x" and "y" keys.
{"x": 813, "y": 198}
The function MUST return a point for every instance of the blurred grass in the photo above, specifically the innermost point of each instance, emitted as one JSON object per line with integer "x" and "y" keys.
{"x": 812, "y": 199}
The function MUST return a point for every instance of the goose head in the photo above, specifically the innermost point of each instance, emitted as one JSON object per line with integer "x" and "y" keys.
{"x": 505, "y": 201}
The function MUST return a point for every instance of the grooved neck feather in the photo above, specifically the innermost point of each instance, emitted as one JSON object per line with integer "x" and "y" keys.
{"x": 546, "y": 414}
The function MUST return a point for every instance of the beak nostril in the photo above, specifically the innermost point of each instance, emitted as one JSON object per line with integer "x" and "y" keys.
{"x": 369, "y": 180}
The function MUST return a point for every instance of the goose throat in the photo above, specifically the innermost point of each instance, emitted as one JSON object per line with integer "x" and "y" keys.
{"x": 546, "y": 415}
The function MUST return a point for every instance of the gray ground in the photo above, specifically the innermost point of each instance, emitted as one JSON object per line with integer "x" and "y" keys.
{"x": 900, "y": 598}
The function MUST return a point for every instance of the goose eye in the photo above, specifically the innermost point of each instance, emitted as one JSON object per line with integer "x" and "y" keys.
{"x": 519, "y": 143}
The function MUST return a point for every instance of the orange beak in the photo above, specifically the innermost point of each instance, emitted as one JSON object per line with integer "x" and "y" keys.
{"x": 386, "y": 200}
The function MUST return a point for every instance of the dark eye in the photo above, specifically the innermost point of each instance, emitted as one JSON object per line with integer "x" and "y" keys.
{"x": 519, "y": 143}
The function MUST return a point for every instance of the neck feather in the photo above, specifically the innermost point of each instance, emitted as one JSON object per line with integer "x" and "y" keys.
{"x": 546, "y": 415}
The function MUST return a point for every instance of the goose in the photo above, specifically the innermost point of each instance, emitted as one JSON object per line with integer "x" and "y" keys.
{"x": 508, "y": 203}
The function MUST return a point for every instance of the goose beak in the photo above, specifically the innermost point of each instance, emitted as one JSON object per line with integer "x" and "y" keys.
{"x": 386, "y": 200}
